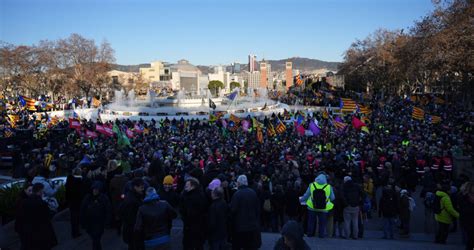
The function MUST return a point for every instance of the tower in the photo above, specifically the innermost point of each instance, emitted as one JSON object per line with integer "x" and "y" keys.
{"x": 263, "y": 75}
{"x": 289, "y": 75}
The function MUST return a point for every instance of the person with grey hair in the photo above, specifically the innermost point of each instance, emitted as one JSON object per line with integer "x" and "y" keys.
{"x": 245, "y": 212}
{"x": 218, "y": 215}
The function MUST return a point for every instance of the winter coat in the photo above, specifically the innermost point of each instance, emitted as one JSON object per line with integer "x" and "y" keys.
{"x": 466, "y": 214}
{"x": 447, "y": 210}
{"x": 217, "y": 220}
{"x": 388, "y": 204}
{"x": 352, "y": 194}
{"x": 154, "y": 219}
{"x": 404, "y": 208}
{"x": 38, "y": 231}
{"x": 292, "y": 203}
{"x": 75, "y": 190}
{"x": 245, "y": 210}
{"x": 95, "y": 213}
{"x": 49, "y": 190}
{"x": 193, "y": 209}
{"x": 19, "y": 220}
{"x": 171, "y": 197}
{"x": 128, "y": 214}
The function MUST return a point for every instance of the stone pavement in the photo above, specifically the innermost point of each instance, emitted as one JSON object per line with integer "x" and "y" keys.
{"x": 111, "y": 241}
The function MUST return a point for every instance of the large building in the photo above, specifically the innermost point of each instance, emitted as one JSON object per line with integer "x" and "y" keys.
{"x": 187, "y": 77}
{"x": 253, "y": 79}
{"x": 263, "y": 75}
{"x": 252, "y": 63}
{"x": 152, "y": 74}
{"x": 289, "y": 74}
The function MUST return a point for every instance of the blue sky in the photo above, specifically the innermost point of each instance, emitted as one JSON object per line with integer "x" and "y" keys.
{"x": 208, "y": 31}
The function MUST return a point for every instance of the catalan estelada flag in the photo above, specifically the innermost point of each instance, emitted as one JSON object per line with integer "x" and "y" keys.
{"x": 27, "y": 102}
{"x": 299, "y": 80}
{"x": 348, "y": 105}
{"x": 271, "y": 130}
{"x": 364, "y": 109}
{"x": 280, "y": 127}
{"x": 418, "y": 113}
{"x": 435, "y": 119}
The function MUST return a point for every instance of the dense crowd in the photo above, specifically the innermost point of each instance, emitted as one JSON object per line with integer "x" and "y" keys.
{"x": 228, "y": 186}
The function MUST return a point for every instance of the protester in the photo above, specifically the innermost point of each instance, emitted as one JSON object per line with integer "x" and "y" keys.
{"x": 75, "y": 190}
{"x": 168, "y": 192}
{"x": 19, "y": 220}
{"x": 405, "y": 208}
{"x": 444, "y": 213}
{"x": 352, "y": 195}
{"x": 245, "y": 212}
{"x": 193, "y": 210}
{"x": 466, "y": 213}
{"x": 128, "y": 212}
{"x": 95, "y": 213}
{"x": 388, "y": 209}
{"x": 154, "y": 221}
{"x": 292, "y": 237}
{"x": 37, "y": 229}
{"x": 319, "y": 198}
{"x": 217, "y": 222}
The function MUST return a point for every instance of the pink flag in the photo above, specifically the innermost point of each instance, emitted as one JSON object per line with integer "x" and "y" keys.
{"x": 358, "y": 124}
{"x": 138, "y": 128}
{"x": 245, "y": 125}
{"x": 91, "y": 134}
{"x": 129, "y": 133}
{"x": 300, "y": 129}
{"x": 102, "y": 129}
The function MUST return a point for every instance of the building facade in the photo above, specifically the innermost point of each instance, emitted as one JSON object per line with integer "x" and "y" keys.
{"x": 252, "y": 63}
{"x": 289, "y": 74}
{"x": 263, "y": 75}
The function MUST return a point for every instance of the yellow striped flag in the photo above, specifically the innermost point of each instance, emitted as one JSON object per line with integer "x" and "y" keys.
{"x": 259, "y": 135}
{"x": 271, "y": 130}
{"x": 235, "y": 119}
{"x": 280, "y": 128}
{"x": 364, "y": 110}
{"x": 418, "y": 113}
{"x": 299, "y": 80}
{"x": 348, "y": 105}
{"x": 435, "y": 119}
{"x": 339, "y": 125}
{"x": 13, "y": 119}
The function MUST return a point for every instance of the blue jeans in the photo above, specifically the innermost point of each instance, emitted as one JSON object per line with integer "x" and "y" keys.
{"x": 321, "y": 217}
{"x": 388, "y": 224}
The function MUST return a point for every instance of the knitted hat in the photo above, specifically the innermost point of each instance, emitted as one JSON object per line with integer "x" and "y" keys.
{"x": 168, "y": 180}
{"x": 214, "y": 184}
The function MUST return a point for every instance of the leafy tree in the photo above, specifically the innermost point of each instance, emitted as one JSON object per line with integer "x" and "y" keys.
{"x": 234, "y": 85}
{"x": 214, "y": 86}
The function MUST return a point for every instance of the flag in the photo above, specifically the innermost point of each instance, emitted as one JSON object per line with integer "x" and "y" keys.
{"x": 232, "y": 95}
{"x": 271, "y": 130}
{"x": 364, "y": 109}
{"x": 91, "y": 134}
{"x": 74, "y": 123}
{"x": 116, "y": 129}
{"x": 104, "y": 130}
{"x": 348, "y": 105}
{"x": 8, "y": 133}
{"x": 137, "y": 128}
{"x": 299, "y": 128}
{"x": 339, "y": 125}
{"x": 314, "y": 128}
{"x": 13, "y": 119}
{"x": 123, "y": 140}
{"x": 232, "y": 126}
{"x": 27, "y": 102}
{"x": 224, "y": 123}
{"x": 357, "y": 124}
{"x": 96, "y": 102}
{"x": 259, "y": 135}
{"x": 212, "y": 105}
{"x": 245, "y": 125}
{"x": 47, "y": 160}
{"x": 435, "y": 119}
{"x": 280, "y": 127}
{"x": 234, "y": 119}
{"x": 129, "y": 133}
{"x": 299, "y": 118}
{"x": 418, "y": 113}
{"x": 325, "y": 114}
{"x": 299, "y": 80}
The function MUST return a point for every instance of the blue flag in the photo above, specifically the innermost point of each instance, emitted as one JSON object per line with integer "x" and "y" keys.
{"x": 22, "y": 101}
{"x": 232, "y": 95}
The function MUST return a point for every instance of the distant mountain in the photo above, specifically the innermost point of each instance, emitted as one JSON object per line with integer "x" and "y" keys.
{"x": 130, "y": 68}
{"x": 303, "y": 64}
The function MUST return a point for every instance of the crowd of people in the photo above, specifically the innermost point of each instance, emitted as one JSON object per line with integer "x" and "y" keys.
{"x": 228, "y": 186}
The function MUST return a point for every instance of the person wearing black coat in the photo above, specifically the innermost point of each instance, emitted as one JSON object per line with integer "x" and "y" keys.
{"x": 217, "y": 220}
{"x": 193, "y": 209}
{"x": 75, "y": 190}
{"x": 128, "y": 212}
{"x": 245, "y": 213}
{"x": 388, "y": 209}
{"x": 38, "y": 232}
{"x": 466, "y": 212}
{"x": 352, "y": 195}
{"x": 95, "y": 213}
{"x": 19, "y": 220}
{"x": 154, "y": 221}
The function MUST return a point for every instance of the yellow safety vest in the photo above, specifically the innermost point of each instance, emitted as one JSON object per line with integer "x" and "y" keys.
{"x": 327, "y": 190}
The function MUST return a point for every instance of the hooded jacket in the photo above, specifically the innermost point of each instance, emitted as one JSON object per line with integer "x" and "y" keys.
{"x": 447, "y": 210}
{"x": 321, "y": 180}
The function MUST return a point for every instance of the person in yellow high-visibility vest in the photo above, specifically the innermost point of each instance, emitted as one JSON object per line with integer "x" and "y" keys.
{"x": 319, "y": 211}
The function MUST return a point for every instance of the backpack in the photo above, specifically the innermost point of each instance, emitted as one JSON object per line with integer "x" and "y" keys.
{"x": 267, "y": 205}
{"x": 437, "y": 205}
{"x": 319, "y": 197}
